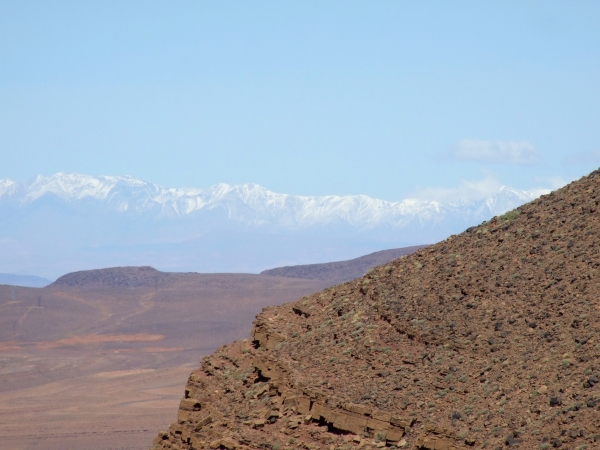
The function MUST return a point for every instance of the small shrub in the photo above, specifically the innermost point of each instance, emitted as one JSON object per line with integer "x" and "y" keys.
{"x": 380, "y": 437}
{"x": 510, "y": 215}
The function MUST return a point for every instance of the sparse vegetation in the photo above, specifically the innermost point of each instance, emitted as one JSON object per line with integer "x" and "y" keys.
{"x": 510, "y": 215}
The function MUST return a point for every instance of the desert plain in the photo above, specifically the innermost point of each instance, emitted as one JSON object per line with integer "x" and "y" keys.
{"x": 99, "y": 359}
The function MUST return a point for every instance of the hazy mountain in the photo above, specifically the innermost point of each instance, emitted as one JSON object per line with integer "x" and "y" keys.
{"x": 23, "y": 280}
{"x": 52, "y": 225}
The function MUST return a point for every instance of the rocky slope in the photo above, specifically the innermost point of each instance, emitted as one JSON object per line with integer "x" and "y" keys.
{"x": 489, "y": 339}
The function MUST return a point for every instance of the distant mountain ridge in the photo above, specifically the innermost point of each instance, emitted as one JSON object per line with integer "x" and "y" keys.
{"x": 68, "y": 221}
{"x": 340, "y": 271}
{"x": 23, "y": 280}
{"x": 132, "y": 277}
{"x": 249, "y": 203}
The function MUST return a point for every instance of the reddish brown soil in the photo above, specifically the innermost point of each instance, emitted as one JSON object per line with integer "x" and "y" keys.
{"x": 489, "y": 339}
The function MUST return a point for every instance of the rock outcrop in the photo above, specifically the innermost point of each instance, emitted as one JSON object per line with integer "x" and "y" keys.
{"x": 489, "y": 339}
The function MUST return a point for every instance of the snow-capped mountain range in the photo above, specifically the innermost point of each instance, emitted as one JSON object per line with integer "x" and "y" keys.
{"x": 250, "y": 203}
{"x": 122, "y": 218}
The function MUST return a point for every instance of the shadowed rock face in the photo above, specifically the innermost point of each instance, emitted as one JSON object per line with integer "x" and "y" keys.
{"x": 489, "y": 339}
{"x": 341, "y": 271}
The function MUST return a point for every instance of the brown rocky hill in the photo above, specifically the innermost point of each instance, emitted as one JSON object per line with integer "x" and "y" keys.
{"x": 341, "y": 271}
{"x": 144, "y": 276}
{"x": 489, "y": 339}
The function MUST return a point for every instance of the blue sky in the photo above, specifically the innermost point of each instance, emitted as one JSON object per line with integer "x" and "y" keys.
{"x": 389, "y": 99}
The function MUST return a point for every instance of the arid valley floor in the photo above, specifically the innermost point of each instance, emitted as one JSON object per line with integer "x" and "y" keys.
{"x": 95, "y": 365}
{"x": 99, "y": 359}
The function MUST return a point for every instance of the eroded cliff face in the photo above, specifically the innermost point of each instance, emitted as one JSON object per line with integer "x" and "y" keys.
{"x": 488, "y": 339}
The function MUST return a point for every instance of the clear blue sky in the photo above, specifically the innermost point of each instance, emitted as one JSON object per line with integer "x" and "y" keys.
{"x": 383, "y": 98}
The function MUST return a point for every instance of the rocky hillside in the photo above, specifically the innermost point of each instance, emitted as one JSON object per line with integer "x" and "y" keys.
{"x": 489, "y": 339}
{"x": 341, "y": 271}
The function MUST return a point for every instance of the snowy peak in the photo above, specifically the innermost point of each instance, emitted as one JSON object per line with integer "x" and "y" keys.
{"x": 253, "y": 204}
{"x": 7, "y": 187}
{"x": 109, "y": 221}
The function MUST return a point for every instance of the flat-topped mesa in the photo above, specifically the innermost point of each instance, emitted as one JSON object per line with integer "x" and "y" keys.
{"x": 144, "y": 276}
{"x": 486, "y": 340}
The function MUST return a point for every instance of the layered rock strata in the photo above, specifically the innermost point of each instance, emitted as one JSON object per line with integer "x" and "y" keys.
{"x": 489, "y": 339}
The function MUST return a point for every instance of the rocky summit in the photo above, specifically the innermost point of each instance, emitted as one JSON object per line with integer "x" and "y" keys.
{"x": 489, "y": 339}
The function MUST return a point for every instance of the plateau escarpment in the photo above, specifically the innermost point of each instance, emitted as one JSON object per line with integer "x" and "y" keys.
{"x": 489, "y": 339}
